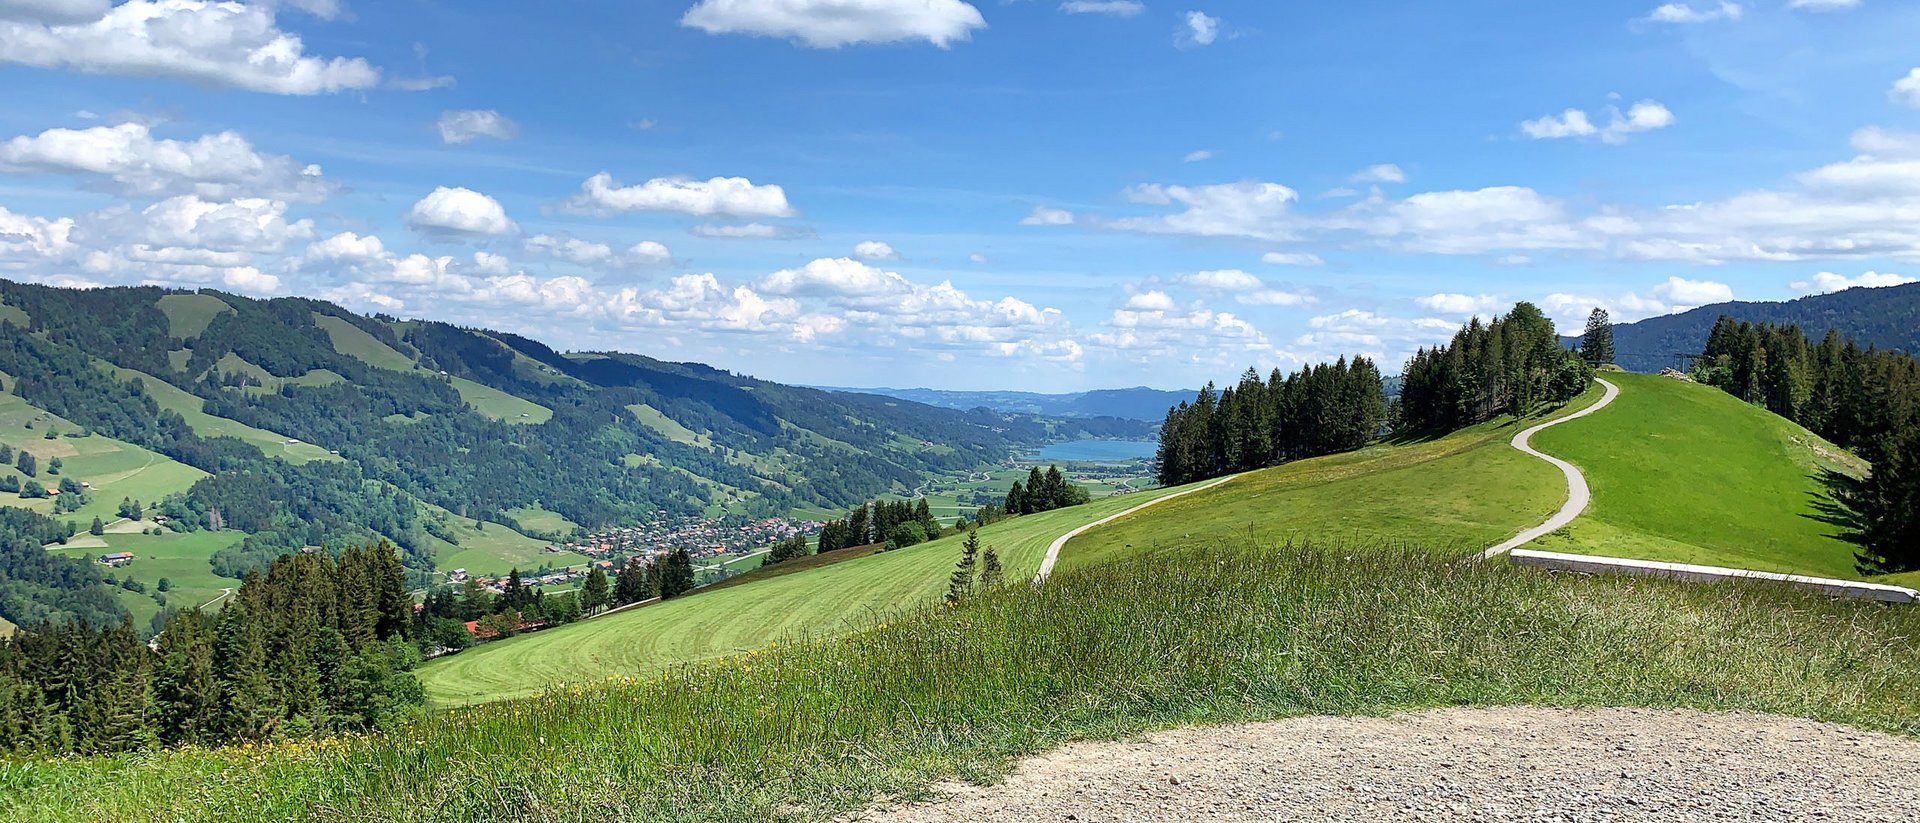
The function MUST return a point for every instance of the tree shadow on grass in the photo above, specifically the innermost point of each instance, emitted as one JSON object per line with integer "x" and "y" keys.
{"x": 1829, "y": 509}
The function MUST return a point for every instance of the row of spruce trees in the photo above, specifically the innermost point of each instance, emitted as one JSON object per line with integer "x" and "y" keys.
{"x": 896, "y": 524}
{"x": 1509, "y": 365}
{"x": 1318, "y": 410}
{"x": 314, "y": 645}
{"x": 1863, "y": 399}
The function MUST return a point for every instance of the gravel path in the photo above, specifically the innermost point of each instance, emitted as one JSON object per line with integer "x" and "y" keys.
{"x": 1462, "y": 764}
{"x": 1053, "y": 549}
{"x": 1577, "y": 494}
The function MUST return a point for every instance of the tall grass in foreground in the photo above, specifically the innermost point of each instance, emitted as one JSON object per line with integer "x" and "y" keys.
{"x": 804, "y": 730}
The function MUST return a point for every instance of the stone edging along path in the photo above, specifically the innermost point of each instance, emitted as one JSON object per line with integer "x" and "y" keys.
{"x": 1577, "y": 495}
{"x": 1053, "y": 549}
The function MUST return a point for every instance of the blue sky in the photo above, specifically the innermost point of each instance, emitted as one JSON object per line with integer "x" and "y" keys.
{"x": 1023, "y": 194}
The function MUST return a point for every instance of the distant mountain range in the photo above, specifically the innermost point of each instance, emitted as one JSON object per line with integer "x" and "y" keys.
{"x": 1886, "y": 317}
{"x": 1139, "y": 403}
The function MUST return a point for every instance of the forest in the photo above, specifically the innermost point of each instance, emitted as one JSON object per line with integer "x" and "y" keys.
{"x": 1863, "y": 399}
{"x": 315, "y": 645}
{"x": 1321, "y": 409}
{"x": 1510, "y": 365}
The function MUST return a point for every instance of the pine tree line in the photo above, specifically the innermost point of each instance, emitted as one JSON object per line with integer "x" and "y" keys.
{"x": 897, "y": 524}
{"x": 1866, "y": 400}
{"x": 314, "y": 645}
{"x": 1318, "y": 410}
{"x": 1042, "y": 493}
{"x": 1509, "y": 365}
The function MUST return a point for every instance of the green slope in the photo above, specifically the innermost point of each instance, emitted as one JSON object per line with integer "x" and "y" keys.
{"x": 1688, "y": 473}
{"x": 115, "y": 468}
{"x": 354, "y": 342}
{"x": 1455, "y": 494}
{"x": 189, "y": 314}
{"x": 748, "y": 616}
{"x": 173, "y": 398}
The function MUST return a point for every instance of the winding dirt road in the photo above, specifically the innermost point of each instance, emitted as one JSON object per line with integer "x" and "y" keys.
{"x": 1577, "y": 494}
{"x": 1053, "y": 550}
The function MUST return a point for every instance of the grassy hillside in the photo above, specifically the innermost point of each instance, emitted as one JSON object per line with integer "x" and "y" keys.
{"x": 1688, "y": 473}
{"x": 1454, "y": 494}
{"x": 173, "y": 398}
{"x": 114, "y": 468}
{"x": 745, "y": 617}
{"x": 809, "y": 731}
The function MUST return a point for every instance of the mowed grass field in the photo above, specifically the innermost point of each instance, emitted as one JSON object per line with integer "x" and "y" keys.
{"x": 1687, "y": 473}
{"x": 1455, "y": 494}
{"x": 180, "y": 558}
{"x": 745, "y": 617}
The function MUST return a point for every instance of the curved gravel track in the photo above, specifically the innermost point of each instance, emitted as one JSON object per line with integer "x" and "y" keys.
{"x": 1053, "y": 549}
{"x": 1577, "y": 495}
{"x": 1502, "y": 764}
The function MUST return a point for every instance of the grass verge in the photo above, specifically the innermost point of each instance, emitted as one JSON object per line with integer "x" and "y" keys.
{"x": 1206, "y": 635}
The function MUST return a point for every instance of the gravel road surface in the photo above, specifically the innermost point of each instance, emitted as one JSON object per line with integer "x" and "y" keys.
{"x": 1462, "y": 764}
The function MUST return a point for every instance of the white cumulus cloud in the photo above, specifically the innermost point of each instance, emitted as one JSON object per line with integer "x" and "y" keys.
{"x": 1297, "y": 258}
{"x": 1684, "y": 13}
{"x": 452, "y": 210}
{"x": 128, "y": 159}
{"x": 217, "y": 43}
{"x": 1907, "y": 89}
{"x": 875, "y": 250}
{"x": 1382, "y": 173}
{"x": 1197, "y": 29}
{"x": 1044, "y": 216}
{"x": 826, "y": 24}
{"x": 1827, "y": 282}
{"x": 726, "y": 196}
{"x": 1646, "y": 115}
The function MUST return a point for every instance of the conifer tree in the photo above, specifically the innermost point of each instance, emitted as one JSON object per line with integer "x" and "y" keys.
{"x": 1597, "y": 344}
{"x": 992, "y": 575}
{"x": 631, "y": 586}
{"x": 593, "y": 591}
{"x": 677, "y": 578}
{"x": 960, "y": 585}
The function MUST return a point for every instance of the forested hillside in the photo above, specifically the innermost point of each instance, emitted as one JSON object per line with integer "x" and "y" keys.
{"x": 1887, "y": 318}
{"x": 317, "y": 426}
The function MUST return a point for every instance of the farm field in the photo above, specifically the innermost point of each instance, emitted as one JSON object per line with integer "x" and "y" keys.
{"x": 180, "y": 558}
{"x": 541, "y": 520}
{"x": 749, "y": 616}
{"x": 189, "y": 314}
{"x": 1453, "y": 495}
{"x": 115, "y": 469}
{"x": 1690, "y": 474}
{"x": 495, "y": 550}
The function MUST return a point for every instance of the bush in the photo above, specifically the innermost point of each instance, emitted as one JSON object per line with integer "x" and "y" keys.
{"x": 906, "y": 534}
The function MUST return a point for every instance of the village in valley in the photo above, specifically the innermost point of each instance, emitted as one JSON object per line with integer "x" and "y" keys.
{"x": 720, "y": 548}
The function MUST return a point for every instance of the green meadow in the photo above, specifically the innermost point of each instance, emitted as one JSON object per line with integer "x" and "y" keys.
{"x": 1688, "y": 473}
{"x": 1455, "y": 495}
{"x": 740, "y": 618}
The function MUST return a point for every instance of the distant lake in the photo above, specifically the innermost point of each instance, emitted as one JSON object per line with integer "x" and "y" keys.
{"x": 1098, "y": 450}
